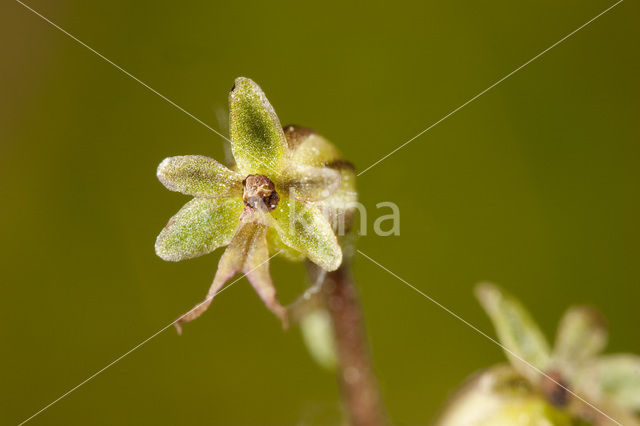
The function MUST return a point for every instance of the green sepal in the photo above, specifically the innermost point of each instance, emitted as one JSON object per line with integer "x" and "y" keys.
{"x": 199, "y": 176}
{"x": 304, "y": 228}
{"x": 612, "y": 379}
{"x": 310, "y": 183}
{"x": 582, "y": 334}
{"x": 257, "y": 139}
{"x": 201, "y": 226}
{"x": 276, "y": 245}
{"x": 518, "y": 333}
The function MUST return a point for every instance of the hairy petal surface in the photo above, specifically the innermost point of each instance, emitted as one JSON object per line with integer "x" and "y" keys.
{"x": 310, "y": 183}
{"x": 201, "y": 226}
{"x": 312, "y": 150}
{"x": 516, "y": 331}
{"x": 248, "y": 254}
{"x": 258, "y": 142}
{"x": 304, "y": 228}
{"x": 199, "y": 176}
{"x": 582, "y": 334}
{"x": 612, "y": 378}
{"x": 276, "y": 245}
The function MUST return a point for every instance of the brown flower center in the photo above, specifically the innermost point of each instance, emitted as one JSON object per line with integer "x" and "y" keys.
{"x": 554, "y": 389}
{"x": 260, "y": 193}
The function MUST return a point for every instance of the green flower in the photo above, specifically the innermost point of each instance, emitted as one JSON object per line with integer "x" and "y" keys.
{"x": 519, "y": 393}
{"x": 278, "y": 197}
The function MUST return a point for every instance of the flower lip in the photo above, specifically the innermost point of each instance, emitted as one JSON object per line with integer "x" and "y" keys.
{"x": 260, "y": 193}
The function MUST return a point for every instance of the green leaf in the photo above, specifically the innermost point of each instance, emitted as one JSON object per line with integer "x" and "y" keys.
{"x": 516, "y": 331}
{"x": 304, "y": 228}
{"x": 310, "y": 183}
{"x": 258, "y": 142}
{"x": 199, "y": 176}
{"x": 201, "y": 226}
{"x": 582, "y": 334}
{"x": 612, "y": 378}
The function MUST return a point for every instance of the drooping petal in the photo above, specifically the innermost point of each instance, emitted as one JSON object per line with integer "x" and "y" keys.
{"x": 201, "y": 226}
{"x": 304, "y": 228}
{"x": 612, "y": 378}
{"x": 199, "y": 176}
{"x": 310, "y": 183}
{"x": 582, "y": 334}
{"x": 256, "y": 267}
{"x": 247, "y": 253}
{"x": 258, "y": 142}
{"x": 228, "y": 266}
{"x": 516, "y": 330}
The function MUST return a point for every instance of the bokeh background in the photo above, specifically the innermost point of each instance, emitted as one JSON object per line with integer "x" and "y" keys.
{"x": 533, "y": 186}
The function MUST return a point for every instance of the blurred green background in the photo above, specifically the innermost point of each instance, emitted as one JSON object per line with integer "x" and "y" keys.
{"x": 534, "y": 186}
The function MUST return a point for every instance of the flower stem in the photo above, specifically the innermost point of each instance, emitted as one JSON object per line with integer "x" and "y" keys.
{"x": 356, "y": 376}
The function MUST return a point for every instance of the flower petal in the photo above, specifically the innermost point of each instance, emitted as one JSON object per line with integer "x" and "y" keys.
{"x": 516, "y": 331}
{"x": 613, "y": 378}
{"x": 199, "y": 176}
{"x": 310, "y": 183}
{"x": 304, "y": 228}
{"x": 582, "y": 334}
{"x": 201, "y": 226}
{"x": 276, "y": 245}
{"x": 258, "y": 142}
{"x": 256, "y": 267}
{"x": 247, "y": 253}
{"x": 312, "y": 150}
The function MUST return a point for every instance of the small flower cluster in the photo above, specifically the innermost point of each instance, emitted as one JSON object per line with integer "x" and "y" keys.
{"x": 571, "y": 384}
{"x": 286, "y": 186}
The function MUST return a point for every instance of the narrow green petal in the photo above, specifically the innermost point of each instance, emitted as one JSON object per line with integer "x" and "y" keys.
{"x": 582, "y": 334}
{"x": 310, "y": 183}
{"x": 201, "y": 226}
{"x": 258, "y": 142}
{"x": 304, "y": 228}
{"x": 516, "y": 330}
{"x": 614, "y": 379}
{"x": 199, "y": 176}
